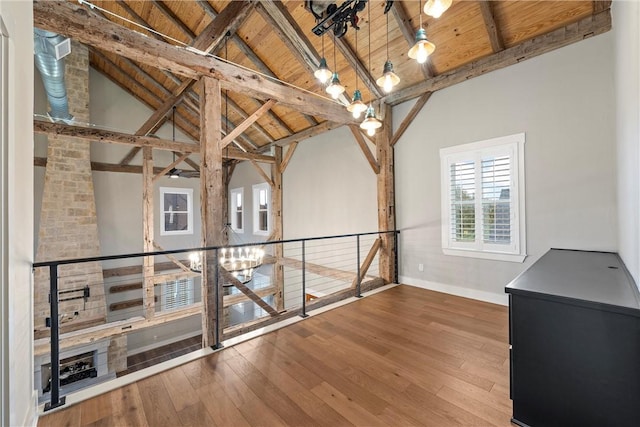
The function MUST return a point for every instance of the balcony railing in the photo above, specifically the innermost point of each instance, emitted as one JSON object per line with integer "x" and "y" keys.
{"x": 160, "y": 293}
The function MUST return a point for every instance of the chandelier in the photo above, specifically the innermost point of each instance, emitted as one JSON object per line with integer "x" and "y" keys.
{"x": 240, "y": 262}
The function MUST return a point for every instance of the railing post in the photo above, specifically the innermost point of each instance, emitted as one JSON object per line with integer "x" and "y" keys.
{"x": 55, "y": 340}
{"x": 216, "y": 291}
{"x": 358, "y": 278}
{"x": 395, "y": 254}
{"x": 304, "y": 284}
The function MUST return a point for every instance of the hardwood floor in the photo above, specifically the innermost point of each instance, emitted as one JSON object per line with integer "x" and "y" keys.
{"x": 403, "y": 357}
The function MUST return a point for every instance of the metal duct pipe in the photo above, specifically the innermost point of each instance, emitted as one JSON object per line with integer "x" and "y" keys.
{"x": 52, "y": 72}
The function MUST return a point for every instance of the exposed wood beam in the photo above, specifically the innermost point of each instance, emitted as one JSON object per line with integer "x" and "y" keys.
{"x": 209, "y": 39}
{"x": 247, "y": 122}
{"x": 212, "y": 215}
{"x": 262, "y": 173}
{"x": 292, "y": 35}
{"x": 74, "y": 21}
{"x": 386, "y": 197}
{"x": 277, "y": 228}
{"x": 404, "y": 24}
{"x": 354, "y": 62}
{"x": 228, "y": 277}
{"x": 486, "y": 7}
{"x": 355, "y": 130}
{"x": 164, "y": 171}
{"x": 137, "y": 18}
{"x": 417, "y": 107}
{"x": 259, "y": 63}
{"x": 172, "y": 258}
{"x": 92, "y": 134}
{"x": 112, "y": 137}
{"x": 288, "y": 156}
{"x": 175, "y": 20}
{"x": 320, "y": 270}
{"x": 367, "y": 262}
{"x": 601, "y": 5}
{"x": 585, "y": 28}
{"x": 305, "y": 134}
{"x": 148, "y": 272}
{"x": 230, "y": 300}
{"x": 105, "y": 167}
{"x": 89, "y": 335}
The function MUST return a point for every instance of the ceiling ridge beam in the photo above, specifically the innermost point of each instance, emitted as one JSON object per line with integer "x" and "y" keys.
{"x": 291, "y": 34}
{"x": 582, "y": 29}
{"x": 417, "y": 107}
{"x": 486, "y": 7}
{"x": 404, "y": 24}
{"x": 77, "y": 23}
{"x": 247, "y": 122}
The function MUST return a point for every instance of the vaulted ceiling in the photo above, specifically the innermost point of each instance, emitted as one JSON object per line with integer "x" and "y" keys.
{"x": 276, "y": 39}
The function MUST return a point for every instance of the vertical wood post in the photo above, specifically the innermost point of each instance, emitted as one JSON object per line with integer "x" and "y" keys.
{"x": 276, "y": 216}
{"x": 386, "y": 196}
{"x": 147, "y": 226}
{"x": 211, "y": 205}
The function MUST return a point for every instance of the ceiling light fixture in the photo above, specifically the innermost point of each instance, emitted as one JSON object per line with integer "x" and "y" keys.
{"x": 436, "y": 8}
{"x": 389, "y": 79}
{"x": 357, "y": 107}
{"x": 323, "y": 73}
{"x": 423, "y": 47}
{"x": 370, "y": 123}
{"x": 335, "y": 88}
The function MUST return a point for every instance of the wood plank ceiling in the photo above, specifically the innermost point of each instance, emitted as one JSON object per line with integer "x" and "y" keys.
{"x": 275, "y": 39}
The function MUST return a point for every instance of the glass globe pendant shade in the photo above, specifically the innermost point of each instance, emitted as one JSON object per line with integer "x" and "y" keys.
{"x": 422, "y": 48}
{"x": 357, "y": 107}
{"x": 389, "y": 79}
{"x": 323, "y": 73}
{"x": 436, "y": 8}
{"x": 370, "y": 123}
{"x": 335, "y": 88}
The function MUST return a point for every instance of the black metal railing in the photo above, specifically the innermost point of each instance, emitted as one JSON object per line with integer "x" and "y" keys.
{"x": 314, "y": 272}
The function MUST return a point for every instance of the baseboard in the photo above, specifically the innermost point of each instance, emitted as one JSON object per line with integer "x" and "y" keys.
{"x": 500, "y": 299}
{"x": 163, "y": 342}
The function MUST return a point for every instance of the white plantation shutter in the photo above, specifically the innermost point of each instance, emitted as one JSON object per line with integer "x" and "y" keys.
{"x": 177, "y": 293}
{"x": 483, "y": 199}
{"x": 462, "y": 196}
{"x": 496, "y": 200}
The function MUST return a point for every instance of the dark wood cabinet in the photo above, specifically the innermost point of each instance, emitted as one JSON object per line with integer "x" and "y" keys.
{"x": 574, "y": 319}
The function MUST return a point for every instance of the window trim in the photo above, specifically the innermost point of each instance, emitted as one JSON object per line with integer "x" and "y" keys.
{"x": 514, "y": 144}
{"x": 256, "y": 209}
{"x": 232, "y": 206}
{"x": 173, "y": 190}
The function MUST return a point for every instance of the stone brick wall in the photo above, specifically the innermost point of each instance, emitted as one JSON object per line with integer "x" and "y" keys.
{"x": 68, "y": 224}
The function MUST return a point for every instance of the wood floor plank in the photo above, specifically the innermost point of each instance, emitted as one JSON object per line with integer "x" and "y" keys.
{"x": 402, "y": 357}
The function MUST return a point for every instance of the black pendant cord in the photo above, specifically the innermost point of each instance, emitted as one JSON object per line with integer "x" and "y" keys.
{"x": 335, "y": 67}
{"x": 369, "y": 17}
{"x": 420, "y": 11}
{"x": 387, "y": 36}
{"x": 173, "y": 130}
{"x": 356, "y": 30}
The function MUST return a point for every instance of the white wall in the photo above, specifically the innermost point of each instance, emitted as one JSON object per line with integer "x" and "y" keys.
{"x": 329, "y": 188}
{"x": 626, "y": 19}
{"x": 564, "y": 102}
{"x": 18, "y": 396}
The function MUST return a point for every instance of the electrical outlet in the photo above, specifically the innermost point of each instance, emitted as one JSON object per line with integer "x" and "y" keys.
{"x": 421, "y": 267}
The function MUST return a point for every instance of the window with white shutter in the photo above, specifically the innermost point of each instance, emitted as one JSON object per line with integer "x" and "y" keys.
{"x": 237, "y": 209}
{"x": 177, "y": 293}
{"x": 483, "y": 213}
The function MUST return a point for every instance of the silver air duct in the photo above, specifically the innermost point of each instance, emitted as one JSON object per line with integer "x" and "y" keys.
{"x": 49, "y": 50}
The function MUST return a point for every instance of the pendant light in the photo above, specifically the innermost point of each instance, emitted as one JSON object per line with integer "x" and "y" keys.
{"x": 370, "y": 123}
{"x": 323, "y": 73}
{"x": 389, "y": 79}
{"x": 423, "y": 47}
{"x": 357, "y": 107}
{"x": 174, "y": 173}
{"x": 436, "y": 8}
{"x": 335, "y": 88}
